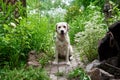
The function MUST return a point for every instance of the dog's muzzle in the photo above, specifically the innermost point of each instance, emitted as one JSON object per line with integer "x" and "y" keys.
{"x": 62, "y": 32}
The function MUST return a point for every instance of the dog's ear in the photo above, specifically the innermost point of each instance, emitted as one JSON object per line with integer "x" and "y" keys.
{"x": 56, "y": 27}
{"x": 68, "y": 27}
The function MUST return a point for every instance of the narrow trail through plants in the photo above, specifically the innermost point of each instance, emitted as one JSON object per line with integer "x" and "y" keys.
{"x": 61, "y": 70}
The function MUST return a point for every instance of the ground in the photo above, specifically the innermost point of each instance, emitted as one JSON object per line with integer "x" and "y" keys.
{"x": 60, "y": 71}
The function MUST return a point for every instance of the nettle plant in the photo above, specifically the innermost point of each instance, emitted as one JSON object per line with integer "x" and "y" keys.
{"x": 87, "y": 40}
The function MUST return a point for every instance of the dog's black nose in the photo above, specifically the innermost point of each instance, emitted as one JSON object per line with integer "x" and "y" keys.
{"x": 62, "y": 32}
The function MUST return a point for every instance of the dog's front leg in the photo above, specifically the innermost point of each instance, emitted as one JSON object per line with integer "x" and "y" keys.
{"x": 67, "y": 56}
{"x": 56, "y": 57}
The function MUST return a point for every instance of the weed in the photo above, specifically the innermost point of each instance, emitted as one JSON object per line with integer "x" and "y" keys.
{"x": 23, "y": 74}
{"x": 78, "y": 74}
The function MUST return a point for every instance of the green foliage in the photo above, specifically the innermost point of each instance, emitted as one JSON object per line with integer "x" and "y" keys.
{"x": 41, "y": 37}
{"x": 86, "y": 3}
{"x": 31, "y": 35}
{"x": 8, "y": 12}
{"x": 19, "y": 36}
{"x": 14, "y": 41}
{"x": 11, "y": 33}
{"x": 76, "y": 26}
{"x": 24, "y": 74}
{"x": 74, "y": 16}
{"x": 72, "y": 13}
{"x": 33, "y": 4}
{"x": 45, "y": 4}
{"x": 94, "y": 30}
{"x": 41, "y": 33}
{"x": 78, "y": 74}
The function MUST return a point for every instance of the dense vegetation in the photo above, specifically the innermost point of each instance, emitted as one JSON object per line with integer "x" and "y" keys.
{"x": 78, "y": 74}
{"x": 20, "y": 35}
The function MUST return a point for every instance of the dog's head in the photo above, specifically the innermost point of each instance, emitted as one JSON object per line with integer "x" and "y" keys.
{"x": 62, "y": 28}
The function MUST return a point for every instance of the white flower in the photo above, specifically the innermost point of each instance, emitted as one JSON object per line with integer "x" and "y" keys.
{"x": 13, "y": 24}
{"x": 20, "y": 18}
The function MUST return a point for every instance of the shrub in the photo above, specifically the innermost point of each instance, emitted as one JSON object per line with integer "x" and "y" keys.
{"x": 33, "y": 34}
{"x": 41, "y": 33}
{"x": 94, "y": 29}
{"x": 74, "y": 16}
{"x": 14, "y": 42}
{"x": 76, "y": 26}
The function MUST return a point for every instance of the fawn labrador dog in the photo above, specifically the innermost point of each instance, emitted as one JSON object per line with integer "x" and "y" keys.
{"x": 62, "y": 42}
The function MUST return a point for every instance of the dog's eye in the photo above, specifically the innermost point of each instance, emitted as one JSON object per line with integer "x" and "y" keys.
{"x": 64, "y": 26}
{"x": 59, "y": 27}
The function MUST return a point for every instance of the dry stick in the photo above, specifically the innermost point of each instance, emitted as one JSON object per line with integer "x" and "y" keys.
{"x": 112, "y": 66}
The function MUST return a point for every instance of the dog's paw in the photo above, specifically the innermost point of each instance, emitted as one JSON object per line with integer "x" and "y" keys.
{"x": 55, "y": 62}
{"x": 68, "y": 63}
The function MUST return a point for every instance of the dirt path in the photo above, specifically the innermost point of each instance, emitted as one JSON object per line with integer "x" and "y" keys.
{"x": 60, "y": 71}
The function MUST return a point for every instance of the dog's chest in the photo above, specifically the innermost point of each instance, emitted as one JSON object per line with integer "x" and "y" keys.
{"x": 62, "y": 47}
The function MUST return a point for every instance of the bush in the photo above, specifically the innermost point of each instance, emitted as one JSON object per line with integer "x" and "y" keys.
{"x": 13, "y": 37}
{"x": 14, "y": 43}
{"x": 74, "y": 16}
{"x": 94, "y": 29}
{"x": 22, "y": 74}
{"x": 41, "y": 33}
{"x": 76, "y": 26}
{"x": 33, "y": 34}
